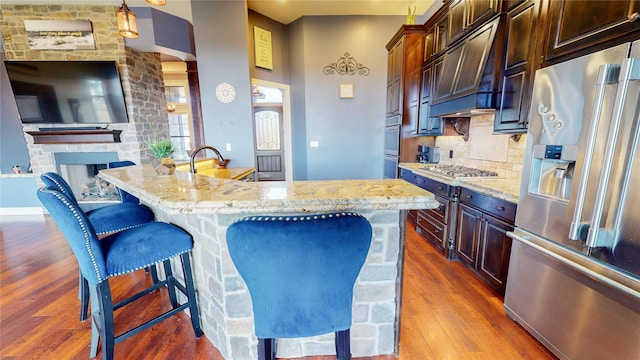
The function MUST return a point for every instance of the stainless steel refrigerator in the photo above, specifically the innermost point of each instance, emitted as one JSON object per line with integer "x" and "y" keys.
{"x": 574, "y": 273}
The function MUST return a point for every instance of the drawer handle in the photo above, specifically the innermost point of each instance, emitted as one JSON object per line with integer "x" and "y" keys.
{"x": 440, "y": 188}
{"x": 468, "y": 196}
{"x": 500, "y": 208}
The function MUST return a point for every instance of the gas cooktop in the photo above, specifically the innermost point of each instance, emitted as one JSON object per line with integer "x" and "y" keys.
{"x": 456, "y": 171}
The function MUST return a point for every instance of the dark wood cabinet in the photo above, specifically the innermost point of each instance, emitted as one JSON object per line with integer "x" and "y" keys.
{"x": 406, "y": 52}
{"x": 575, "y": 25}
{"x": 519, "y": 69}
{"x": 481, "y": 241}
{"x": 433, "y": 224}
{"x": 395, "y": 66}
{"x": 466, "y": 15}
{"x": 474, "y": 52}
{"x": 428, "y": 126}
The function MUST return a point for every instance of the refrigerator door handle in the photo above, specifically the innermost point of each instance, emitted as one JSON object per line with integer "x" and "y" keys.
{"x": 630, "y": 70}
{"x": 607, "y": 74}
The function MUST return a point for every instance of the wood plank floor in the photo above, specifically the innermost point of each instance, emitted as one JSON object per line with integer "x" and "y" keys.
{"x": 447, "y": 312}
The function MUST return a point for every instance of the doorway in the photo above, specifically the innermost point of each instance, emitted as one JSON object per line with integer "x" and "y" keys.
{"x": 272, "y": 130}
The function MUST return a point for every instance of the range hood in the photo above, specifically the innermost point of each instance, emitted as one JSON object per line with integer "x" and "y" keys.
{"x": 468, "y": 82}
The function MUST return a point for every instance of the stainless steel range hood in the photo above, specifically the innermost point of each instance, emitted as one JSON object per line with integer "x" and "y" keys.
{"x": 468, "y": 83}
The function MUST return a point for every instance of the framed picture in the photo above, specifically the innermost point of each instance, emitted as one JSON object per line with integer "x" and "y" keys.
{"x": 346, "y": 90}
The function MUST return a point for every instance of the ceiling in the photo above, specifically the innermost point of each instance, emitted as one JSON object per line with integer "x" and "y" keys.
{"x": 283, "y": 11}
{"x": 286, "y": 11}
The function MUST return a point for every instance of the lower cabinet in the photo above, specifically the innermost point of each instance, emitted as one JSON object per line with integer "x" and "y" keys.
{"x": 481, "y": 236}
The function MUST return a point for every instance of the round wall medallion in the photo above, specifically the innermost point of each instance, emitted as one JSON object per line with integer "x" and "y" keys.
{"x": 225, "y": 93}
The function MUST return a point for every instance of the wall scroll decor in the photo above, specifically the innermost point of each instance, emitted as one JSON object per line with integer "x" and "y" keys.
{"x": 346, "y": 65}
{"x": 59, "y": 34}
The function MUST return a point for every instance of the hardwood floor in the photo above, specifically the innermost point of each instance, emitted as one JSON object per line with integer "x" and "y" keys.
{"x": 447, "y": 312}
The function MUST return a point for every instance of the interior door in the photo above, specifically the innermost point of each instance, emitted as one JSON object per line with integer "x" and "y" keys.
{"x": 268, "y": 141}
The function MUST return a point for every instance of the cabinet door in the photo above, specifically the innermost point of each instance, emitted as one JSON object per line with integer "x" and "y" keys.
{"x": 576, "y": 25}
{"x": 479, "y": 11}
{"x": 518, "y": 72}
{"x": 429, "y": 42}
{"x": 457, "y": 20}
{"x": 495, "y": 250}
{"x": 468, "y": 233}
{"x": 425, "y": 98}
{"x": 441, "y": 32}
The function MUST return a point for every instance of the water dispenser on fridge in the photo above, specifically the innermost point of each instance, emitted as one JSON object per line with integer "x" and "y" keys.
{"x": 552, "y": 171}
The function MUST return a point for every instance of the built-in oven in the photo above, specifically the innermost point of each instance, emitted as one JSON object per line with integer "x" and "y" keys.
{"x": 390, "y": 167}
{"x": 392, "y": 140}
{"x": 391, "y": 147}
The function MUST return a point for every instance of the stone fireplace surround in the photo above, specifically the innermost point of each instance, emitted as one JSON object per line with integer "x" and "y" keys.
{"x": 140, "y": 73}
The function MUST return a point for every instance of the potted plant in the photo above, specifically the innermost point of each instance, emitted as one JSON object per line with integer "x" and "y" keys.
{"x": 162, "y": 149}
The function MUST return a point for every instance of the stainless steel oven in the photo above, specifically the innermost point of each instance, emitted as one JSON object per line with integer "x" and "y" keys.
{"x": 392, "y": 140}
{"x": 391, "y": 151}
{"x": 390, "y": 167}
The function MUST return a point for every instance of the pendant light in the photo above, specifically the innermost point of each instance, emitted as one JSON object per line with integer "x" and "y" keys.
{"x": 127, "y": 22}
{"x": 157, "y": 2}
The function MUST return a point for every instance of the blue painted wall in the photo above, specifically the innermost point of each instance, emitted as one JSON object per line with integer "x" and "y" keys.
{"x": 350, "y": 131}
{"x": 220, "y": 31}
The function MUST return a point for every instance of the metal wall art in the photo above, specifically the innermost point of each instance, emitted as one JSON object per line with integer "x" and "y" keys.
{"x": 346, "y": 65}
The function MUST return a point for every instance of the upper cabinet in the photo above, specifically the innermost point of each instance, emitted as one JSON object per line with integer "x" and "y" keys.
{"x": 519, "y": 68}
{"x": 395, "y": 66}
{"x": 576, "y": 25}
{"x": 466, "y": 15}
{"x": 404, "y": 77}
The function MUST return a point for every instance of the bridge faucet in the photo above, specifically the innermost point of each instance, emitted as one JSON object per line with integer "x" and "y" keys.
{"x": 192, "y": 166}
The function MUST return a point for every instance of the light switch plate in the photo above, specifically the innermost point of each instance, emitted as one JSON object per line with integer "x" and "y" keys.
{"x": 314, "y": 144}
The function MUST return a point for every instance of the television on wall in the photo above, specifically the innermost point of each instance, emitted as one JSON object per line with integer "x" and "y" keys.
{"x": 67, "y": 92}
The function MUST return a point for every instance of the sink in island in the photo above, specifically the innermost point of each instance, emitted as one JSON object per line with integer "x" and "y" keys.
{"x": 208, "y": 167}
{"x": 205, "y": 206}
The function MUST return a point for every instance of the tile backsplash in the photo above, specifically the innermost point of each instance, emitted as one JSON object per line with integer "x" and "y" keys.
{"x": 479, "y": 151}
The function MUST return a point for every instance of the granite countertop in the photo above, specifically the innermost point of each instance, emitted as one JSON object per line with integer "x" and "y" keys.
{"x": 184, "y": 192}
{"x": 207, "y": 167}
{"x": 500, "y": 187}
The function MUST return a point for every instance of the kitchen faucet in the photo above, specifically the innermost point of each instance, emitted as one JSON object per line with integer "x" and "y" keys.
{"x": 192, "y": 167}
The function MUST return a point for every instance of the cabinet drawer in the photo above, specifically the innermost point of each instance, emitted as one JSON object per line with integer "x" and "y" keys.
{"x": 409, "y": 176}
{"x": 441, "y": 213}
{"x": 489, "y": 204}
{"x": 432, "y": 229}
{"x": 433, "y": 186}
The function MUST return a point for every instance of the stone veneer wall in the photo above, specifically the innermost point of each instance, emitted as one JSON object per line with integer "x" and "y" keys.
{"x": 140, "y": 73}
{"x": 512, "y": 168}
{"x": 225, "y": 303}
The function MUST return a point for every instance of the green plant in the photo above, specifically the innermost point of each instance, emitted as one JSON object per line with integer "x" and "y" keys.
{"x": 161, "y": 148}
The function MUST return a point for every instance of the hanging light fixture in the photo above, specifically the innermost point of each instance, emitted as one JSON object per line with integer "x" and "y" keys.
{"x": 127, "y": 22}
{"x": 157, "y": 2}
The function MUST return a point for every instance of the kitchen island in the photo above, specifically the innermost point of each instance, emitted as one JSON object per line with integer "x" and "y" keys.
{"x": 205, "y": 206}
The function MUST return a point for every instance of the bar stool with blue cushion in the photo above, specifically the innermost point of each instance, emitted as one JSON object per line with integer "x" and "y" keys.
{"x": 107, "y": 219}
{"x": 300, "y": 272}
{"x": 124, "y": 196}
{"x": 118, "y": 254}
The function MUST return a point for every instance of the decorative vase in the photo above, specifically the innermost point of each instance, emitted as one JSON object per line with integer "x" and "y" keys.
{"x": 164, "y": 166}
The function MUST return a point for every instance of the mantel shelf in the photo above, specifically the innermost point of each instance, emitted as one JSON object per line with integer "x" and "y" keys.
{"x": 75, "y": 136}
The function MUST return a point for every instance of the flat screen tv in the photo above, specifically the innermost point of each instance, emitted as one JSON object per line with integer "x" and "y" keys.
{"x": 67, "y": 92}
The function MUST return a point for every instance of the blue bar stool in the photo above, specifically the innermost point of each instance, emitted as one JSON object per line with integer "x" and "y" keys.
{"x": 105, "y": 220}
{"x": 118, "y": 254}
{"x": 300, "y": 272}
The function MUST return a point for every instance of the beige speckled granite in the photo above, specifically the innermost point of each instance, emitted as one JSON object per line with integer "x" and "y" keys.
{"x": 186, "y": 193}
{"x": 208, "y": 167}
{"x": 503, "y": 188}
